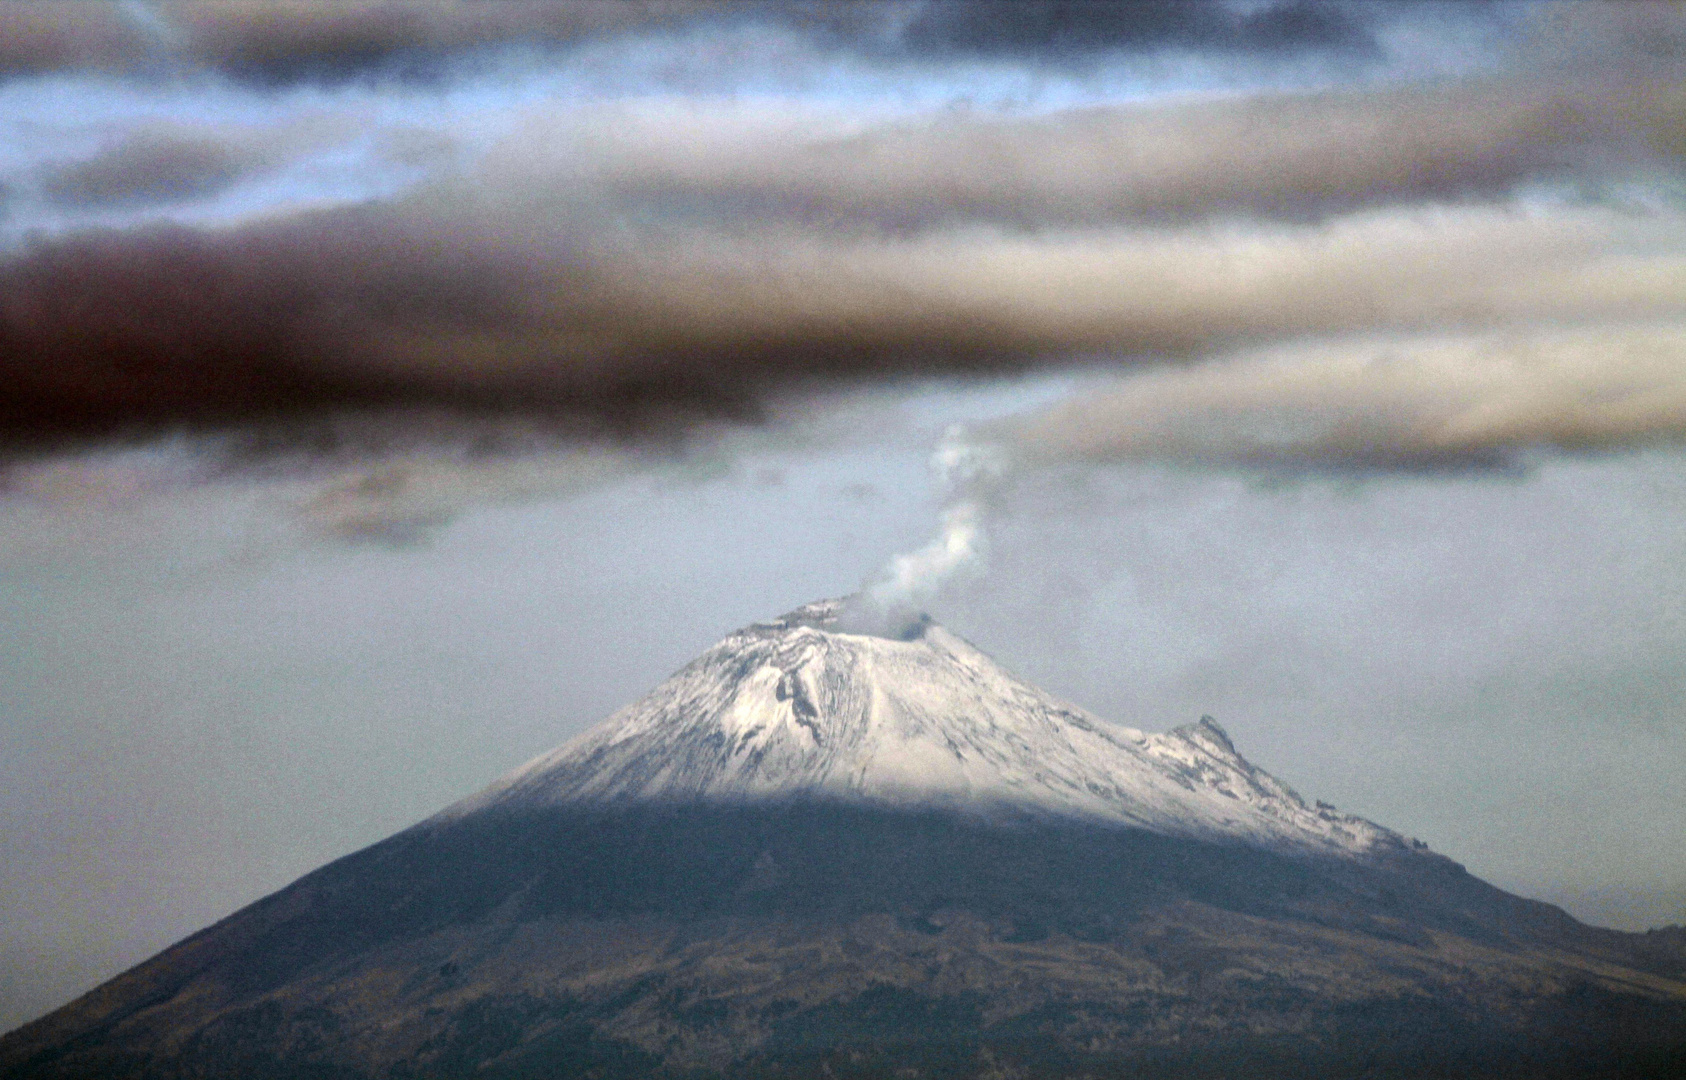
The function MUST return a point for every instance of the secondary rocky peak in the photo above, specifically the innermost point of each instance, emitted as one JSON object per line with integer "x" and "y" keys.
{"x": 801, "y": 708}
{"x": 1208, "y": 732}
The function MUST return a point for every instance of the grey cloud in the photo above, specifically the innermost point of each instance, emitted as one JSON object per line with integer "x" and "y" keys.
{"x": 1060, "y": 29}
{"x": 1480, "y": 401}
{"x": 401, "y": 501}
{"x": 313, "y": 40}
{"x": 643, "y": 265}
{"x": 392, "y": 478}
{"x": 160, "y": 163}
{"x": 1296, "y": 157}
{"x": 1649, "y": 36}
{"x": 387, "y": 478}
{"x": 278, "y": 43}
{"x": 334, "y": 41}
{"x": 150, "y": 166}
{"x": 534, "y": 297}
{"x": 415, "y": 146}
{"x": 1284, "y": 156}
{"x": 36, "y": 38}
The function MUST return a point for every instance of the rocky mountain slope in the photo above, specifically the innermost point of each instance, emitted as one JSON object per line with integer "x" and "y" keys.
{"x": 816, "y": 852}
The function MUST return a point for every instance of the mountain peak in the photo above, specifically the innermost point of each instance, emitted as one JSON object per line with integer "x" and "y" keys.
{"x": 725, "y": 879}
{"x": 819, "y": 614}
{"x": 1209, "y": 731}
{"x": 857, "y": 615}
{"x": 806, "y": 707}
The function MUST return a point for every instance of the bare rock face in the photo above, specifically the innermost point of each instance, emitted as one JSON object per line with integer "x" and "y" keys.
{"x": 815, "y": 852}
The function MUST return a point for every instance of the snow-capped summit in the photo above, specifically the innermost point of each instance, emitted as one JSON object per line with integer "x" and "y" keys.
{"x": 801, "y": 708}
{"x": 725, "y": 879}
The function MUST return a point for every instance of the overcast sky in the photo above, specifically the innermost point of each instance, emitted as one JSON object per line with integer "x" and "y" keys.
{"x": 394, "y": 390}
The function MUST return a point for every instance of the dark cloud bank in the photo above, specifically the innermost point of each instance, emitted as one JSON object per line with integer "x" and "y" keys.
{"x": 275, "y": 43}
{"x": 158, "y": 164}
{"x": 633, "y": 264}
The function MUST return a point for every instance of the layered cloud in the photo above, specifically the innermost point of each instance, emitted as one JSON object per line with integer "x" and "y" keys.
{"x": 638, "y": 260}
{"x": 1480, "y": 401}
{"x": 293, "y": 41}
{"x": 480, "y": 302}
{"x": 159, "y": 163}
{"x": 699, "y": 258}
{"x": 1277, "y": 156}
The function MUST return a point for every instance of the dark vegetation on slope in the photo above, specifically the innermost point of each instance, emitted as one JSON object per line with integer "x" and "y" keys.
{"x": 265, "y": 992}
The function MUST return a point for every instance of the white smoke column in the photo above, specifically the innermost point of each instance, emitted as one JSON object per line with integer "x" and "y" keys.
{"x": 918, "y": 574}
{"x": 891, "y": 604}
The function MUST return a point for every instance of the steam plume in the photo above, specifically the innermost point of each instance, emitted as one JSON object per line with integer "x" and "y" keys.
{"x": 891, "y": 604}
{"x": 1470, "y": 403}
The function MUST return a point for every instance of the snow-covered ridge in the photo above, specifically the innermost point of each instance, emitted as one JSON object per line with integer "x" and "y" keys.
{"x": 797, "y": 708}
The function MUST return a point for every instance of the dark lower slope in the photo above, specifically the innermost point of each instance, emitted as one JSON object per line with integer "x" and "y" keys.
{"x": 795, "y": 940}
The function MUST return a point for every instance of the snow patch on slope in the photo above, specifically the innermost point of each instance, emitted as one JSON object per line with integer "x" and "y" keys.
{"x": 798, "y": 708}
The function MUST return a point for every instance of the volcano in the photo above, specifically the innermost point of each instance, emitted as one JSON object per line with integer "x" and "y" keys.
{"x": 818, "y": 852}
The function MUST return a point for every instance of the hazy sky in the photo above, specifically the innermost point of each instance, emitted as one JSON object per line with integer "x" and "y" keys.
{"x": 391, "y": 391}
